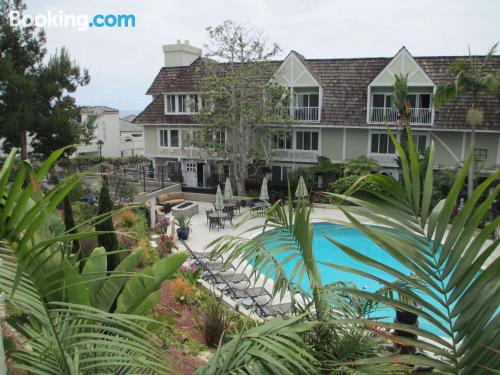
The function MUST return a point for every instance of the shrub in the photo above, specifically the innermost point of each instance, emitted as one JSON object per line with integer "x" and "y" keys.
{"x": 361, "y": 166}
{"x": 150, "y": 256}
{"x": 165, "y": 245}
{"x": 191, "y": 274}
{"x": 364, "y": 188}
{"x": 216, "y": 320}
{"x": 126, "y": 218}
{"x": 107, "y": 240}
{"x": 181, "y": 290}
{"x": 83, "y": 212}
{"x": 162, "y": 226}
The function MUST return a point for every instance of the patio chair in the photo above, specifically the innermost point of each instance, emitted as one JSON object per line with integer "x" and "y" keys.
{"x": 214, "y": 222}
{"x": 208, "y": 212}
{"x": 210, "y": 266}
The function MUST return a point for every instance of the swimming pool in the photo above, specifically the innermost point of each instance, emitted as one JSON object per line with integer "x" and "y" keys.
{"x": 324, "y": 250}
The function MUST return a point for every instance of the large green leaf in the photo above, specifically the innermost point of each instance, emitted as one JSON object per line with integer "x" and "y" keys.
{"x": 138, "y": 289}
{"x": 114, "y": 283}
{"x": 94, "y": 271}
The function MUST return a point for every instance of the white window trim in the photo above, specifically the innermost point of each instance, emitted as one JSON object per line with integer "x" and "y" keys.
{"x": 169, "y": 138}
{"x": 369, "y": 147}
{"x": 283, "y": 133}
{"x": 290, "y": 166}
{"x": 176, "y": 95}
{"x": 303, "y": 131}
{"x": 389, "y": 93}
{"x": 214, "y": 138}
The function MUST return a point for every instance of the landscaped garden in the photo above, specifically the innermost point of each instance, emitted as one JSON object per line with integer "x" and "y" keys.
{"x": 115, "y": 293}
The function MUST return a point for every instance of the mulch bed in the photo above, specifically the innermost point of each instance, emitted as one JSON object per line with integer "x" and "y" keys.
{"x": 187, "y": 321}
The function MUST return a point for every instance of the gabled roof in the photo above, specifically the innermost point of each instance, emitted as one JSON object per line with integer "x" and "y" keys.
{"x": 294, "y": 72}
{"x": 163, "y": 79}
{"x": 345, "y": 83}
{"x": 403, "y": 63}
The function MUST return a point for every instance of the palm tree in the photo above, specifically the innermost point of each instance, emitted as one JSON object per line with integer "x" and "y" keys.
{"x": 456, "y": 284}
{"x": 332, "y": 346}
{"x": 470, "y": 76}
{"x": 401, "y": 103}
{"x": 58, "y": 312}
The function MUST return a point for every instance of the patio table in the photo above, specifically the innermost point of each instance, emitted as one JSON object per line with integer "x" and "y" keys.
{"x": 220, "y": 215}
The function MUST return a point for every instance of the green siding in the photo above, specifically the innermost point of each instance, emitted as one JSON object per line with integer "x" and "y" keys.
{"x": 444, "y": 157}
{"x": 151, "y": 140}
{"x": 490, "y": 143}
{"x": 356, "y": 143}
{"x": 332, "y": 143}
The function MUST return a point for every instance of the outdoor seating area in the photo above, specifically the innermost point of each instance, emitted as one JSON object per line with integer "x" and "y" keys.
{"x": 257, "y": 298}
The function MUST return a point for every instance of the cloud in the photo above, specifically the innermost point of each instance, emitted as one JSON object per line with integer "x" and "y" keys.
{"x": 123, "y": 62}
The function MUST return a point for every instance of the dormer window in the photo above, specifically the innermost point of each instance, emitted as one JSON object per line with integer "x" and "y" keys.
{"x": 182, "y": 103}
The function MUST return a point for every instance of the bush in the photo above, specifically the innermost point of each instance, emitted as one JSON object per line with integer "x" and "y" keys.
{"x": 191, "y": 274}
{"x": 107, "y": 240}
{"x": 216, "y": 320}
{"x": 165, "y": 245}
{"x": 309, "y": 176}
{"x": 83, "y": 212}
{"x": 361, "y": 166}
{"x": 181, "y": 290}
{"x": 126, "y": 219}
{"x": 364, "y": 188}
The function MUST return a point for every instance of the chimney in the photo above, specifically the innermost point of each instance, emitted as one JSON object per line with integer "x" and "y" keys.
{"x": 180, "y": 54}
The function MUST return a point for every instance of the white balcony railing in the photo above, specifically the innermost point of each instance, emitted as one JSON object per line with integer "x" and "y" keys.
{"x": 305, "y": 113}
{"x": 419, "y": 116}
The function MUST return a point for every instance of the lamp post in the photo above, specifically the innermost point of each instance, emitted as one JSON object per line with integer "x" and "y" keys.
{"x": 100, "y": 142}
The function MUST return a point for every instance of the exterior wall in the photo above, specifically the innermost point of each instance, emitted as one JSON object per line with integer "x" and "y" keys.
{"x": 332, "y": 143}
{"x": 448, "y": 146}
{"x": 151, "y": 140}
{"x": 491, "y": 143}
{"x": 107, "y": 130}
{"x": 356, "y": 143}
{"x": 131, "y": 145}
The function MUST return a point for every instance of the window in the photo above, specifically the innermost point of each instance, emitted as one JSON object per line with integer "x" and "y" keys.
{"x": 306, "y": 140}
{"x": 381, "y": 144}
{"x": 170, "y": 103}
{"x": 420, "y": 142}
{"x": 174, "y": 138}
{"x": 279, "y": 173}
{"x": 167, "y": 135}
{"x": 182, "y": 101}
{"x": 382, "y": 100}
{"x": 164, "y": 137}
{"x": 424, "y": 100}
{"x": 307, "y": 100}
{"x": 282, "y": 141}
{"x": 220, "y": 138}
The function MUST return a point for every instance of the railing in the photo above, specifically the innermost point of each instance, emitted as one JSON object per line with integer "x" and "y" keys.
{"x": 419, "y": 116}
{"x": 305, "y": 113}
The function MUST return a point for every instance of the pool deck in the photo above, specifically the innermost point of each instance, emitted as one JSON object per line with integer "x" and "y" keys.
{"x": 201, "y": 236}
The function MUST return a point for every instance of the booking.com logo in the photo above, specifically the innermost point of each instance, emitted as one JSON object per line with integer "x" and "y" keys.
{"x": 81, "y": 22}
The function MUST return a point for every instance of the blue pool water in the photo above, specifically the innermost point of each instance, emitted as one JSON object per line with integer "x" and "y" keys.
{"x": 325, "y": 250}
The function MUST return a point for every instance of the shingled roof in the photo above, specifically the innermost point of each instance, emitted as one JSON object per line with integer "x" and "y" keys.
{"x": 345, "y": 84}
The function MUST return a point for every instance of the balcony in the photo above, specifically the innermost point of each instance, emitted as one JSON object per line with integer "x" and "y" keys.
{"x": 380, "y": 115}
{"x": 305, "y": 113}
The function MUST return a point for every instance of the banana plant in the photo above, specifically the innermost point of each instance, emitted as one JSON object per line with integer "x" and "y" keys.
{"x": 49, "y": 301}
{"x": 455, "y": 286}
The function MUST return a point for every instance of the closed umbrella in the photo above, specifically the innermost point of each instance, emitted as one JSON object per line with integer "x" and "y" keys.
{"x": 219, "y": 201}
{"x": 301, "y": 191}
{"x": 264, "y": 195}
{"x": 228, "y": 190}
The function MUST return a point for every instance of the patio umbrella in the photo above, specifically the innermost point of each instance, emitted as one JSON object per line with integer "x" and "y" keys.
{"x": 301, "y": 191}
{"x": 228, "y": 190}
{"x": 219, "y": 201}
{"x": 264, "y": 195}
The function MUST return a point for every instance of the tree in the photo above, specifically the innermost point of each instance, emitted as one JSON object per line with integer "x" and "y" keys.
{"x": 472, "y": 77}
{"x": 455, "y": 284}
{"x": 107, "y": 240}
{"x": 402, "y": 104}
{"x": 239, "y": 97}
{"x": 34, "y": 97}
{"x": 361, "y": 166}
{"x": 57, "y": 328}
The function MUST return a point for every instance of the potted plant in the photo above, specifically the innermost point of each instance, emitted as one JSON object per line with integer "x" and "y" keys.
{"x": 183, "y": 223}
{"x": 403, "y": 317}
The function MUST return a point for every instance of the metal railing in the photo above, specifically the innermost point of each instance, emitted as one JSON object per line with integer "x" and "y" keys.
{"x": 305, "y": 113}
{"x": 379, "y": 115}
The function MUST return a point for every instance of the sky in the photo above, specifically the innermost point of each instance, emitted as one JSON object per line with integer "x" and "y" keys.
{"x": 124, "y": 61}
